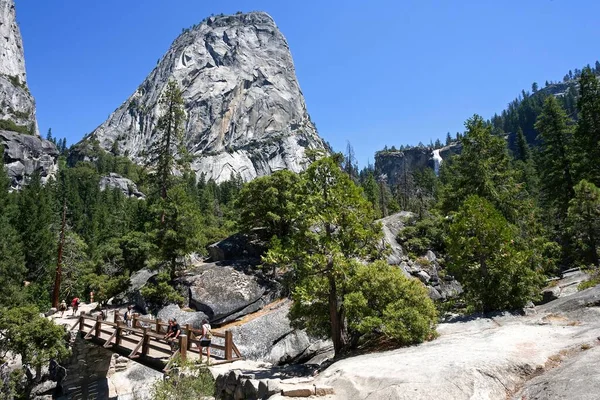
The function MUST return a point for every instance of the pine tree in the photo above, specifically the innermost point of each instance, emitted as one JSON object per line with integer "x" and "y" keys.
{"x": 487, "y": 261}
{"x": 12, "y": 262}
{"x": 336, "y": 227}
{"x": 584, "y": 219}
{"x": 554, "y": 161}
{"x": 587, "y": 134}
{"x": 483, "y": 168}
{"x": 170, "y": 130}
{"x": 35, "y": 224}
{"x": 448, "y": 139}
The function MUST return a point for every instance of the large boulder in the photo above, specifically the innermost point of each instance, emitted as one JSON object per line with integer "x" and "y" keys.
{"x": 126, "y": 186}
{"x": 224, "y": 293}
{"x": 132, "y": 294}
{"x": 194, "y": 318}
{"x": 270, "y": 337}
{"x": 236, "y": 247}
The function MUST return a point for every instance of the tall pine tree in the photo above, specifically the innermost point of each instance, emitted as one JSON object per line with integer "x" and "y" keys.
{"x": 555, "y": 162}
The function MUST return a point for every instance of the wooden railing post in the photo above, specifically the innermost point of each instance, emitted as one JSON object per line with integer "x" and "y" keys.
{"x": 98, "y": 325}
{"x": 228, "y": 345}
{"x": 190, "y": 333}
{"x": 158, "y": 325}
{"x": 183, "y": 344}
{"x": 116, "y": 316}
{"x": 136, "y": 322}
{"x": 145, "y": 343}
{"x": 119, "y": 334}
{"x": 81, "y": 322}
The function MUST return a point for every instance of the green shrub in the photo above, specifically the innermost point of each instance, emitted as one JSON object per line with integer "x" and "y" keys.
{"x": 8, "y": 125}
{"x": 382, "y": 299}
{"x": 594, "y": 281}
{"x": 179, "y": 387}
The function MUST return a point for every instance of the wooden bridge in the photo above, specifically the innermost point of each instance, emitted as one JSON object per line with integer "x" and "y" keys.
{"x": 145, "y": 342}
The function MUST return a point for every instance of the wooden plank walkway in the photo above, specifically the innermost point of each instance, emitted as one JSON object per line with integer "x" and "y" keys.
{"x": 144, "y": 340}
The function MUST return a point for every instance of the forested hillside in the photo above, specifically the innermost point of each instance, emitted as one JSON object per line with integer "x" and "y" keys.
{"x": 500, "y": 221}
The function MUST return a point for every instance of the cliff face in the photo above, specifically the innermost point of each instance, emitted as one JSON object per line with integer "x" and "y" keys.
{"x": 23, "y": 150}
{"x": 395, "y": 164}
{"x": 245, "y": 111}
{"x": 25, "y": 154}
{"x": 17, "y": 105}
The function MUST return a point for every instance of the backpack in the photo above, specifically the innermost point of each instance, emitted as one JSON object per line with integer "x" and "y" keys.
{"x": 208, "y": 331}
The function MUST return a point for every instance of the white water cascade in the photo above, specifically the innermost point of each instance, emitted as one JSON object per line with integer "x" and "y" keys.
{"x": 437, "y": 161}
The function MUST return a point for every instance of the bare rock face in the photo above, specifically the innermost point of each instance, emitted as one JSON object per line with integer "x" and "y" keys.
{"x": 25, "y": 154}
{"x": 127, "y": 186}
{"x": 16, "y": 103}
{"x": 396, "y": 164}
{"x": 245, "y": 112}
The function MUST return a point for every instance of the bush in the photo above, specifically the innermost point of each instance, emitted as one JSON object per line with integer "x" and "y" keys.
{"x": 178, "y": 387}
{"x": 594, "y": 281}
{"x": 382, "y": 299}
{"x": 8, "y": 125}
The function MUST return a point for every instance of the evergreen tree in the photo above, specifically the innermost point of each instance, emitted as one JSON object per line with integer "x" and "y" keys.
{"x": 35, "y": 224}
{"x": 587, "y": 134}
{"x": 483, "y": 169}
{"x": 336, "y": 227}
{"x": 180, "y": 232}
{"x": 12, "y": 262}
{"x": 584, "y": 220}
{"x": 554, "y": 161}
{"x": 268, "y": 203}
{"x": 170, "y": 130}
{"x": 484, "y": 257}
{"x": 350, "y": 161}
{"x": 448, "y": 139}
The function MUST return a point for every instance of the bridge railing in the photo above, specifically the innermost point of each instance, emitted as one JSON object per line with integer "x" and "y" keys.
{"x": 145, "y": 332}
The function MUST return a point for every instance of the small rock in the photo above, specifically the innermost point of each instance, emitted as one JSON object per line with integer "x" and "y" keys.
{"x": 430, "y": 256}
{"x": 251, "y": 389}
{"x": 50, "y": 312}
{"x": 273, "y": 386}
{"x": 423, "y": 276}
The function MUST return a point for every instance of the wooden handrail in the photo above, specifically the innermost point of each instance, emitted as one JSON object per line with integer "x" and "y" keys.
{"x": 115, "y": 330}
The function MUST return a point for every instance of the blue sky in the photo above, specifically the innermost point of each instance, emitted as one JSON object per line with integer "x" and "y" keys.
{"x": 374, "y": 72}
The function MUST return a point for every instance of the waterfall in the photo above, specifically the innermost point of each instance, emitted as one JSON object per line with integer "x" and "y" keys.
{"x": 437, "y": 161}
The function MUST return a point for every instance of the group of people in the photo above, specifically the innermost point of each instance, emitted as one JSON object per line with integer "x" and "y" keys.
{"x": 74, "y": 306}
{"x": 174, "y": 330}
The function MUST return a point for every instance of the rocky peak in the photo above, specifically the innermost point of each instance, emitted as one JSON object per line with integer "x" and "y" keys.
{"x": 245, "y": 111}
{"x": 17, "y": 106}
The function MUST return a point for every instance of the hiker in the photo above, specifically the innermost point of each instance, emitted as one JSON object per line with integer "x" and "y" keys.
{"x": 173, "y": 332}
{"x": 62, "y": 308}
{"x": 128, "y": 318}
{"x": 205, "y": 340}
{"x": 75, "y": 305}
